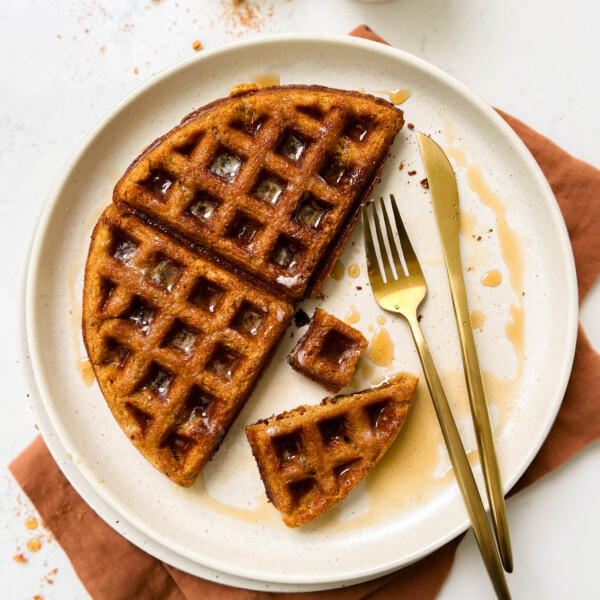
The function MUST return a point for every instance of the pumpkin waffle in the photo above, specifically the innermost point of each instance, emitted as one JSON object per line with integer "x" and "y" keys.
{"x": 270, "y": 180}
{"x": 328, "y": 352}
{"x": 312, "y": 457}
{"x": 176, "y": 341}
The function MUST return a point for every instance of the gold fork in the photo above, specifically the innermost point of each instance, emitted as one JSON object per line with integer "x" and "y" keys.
{"x": 403, "y": 294}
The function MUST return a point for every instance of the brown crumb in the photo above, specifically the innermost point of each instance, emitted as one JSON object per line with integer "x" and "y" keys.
{"x": 490, "y": 230}
{"x": 102, "y": 49}
{"x": 411, "y": 126}
{"x": 478, "y": 238}
{"x": 49, "y": 575}
{"x": 470, "y": 269}
{"x": 359, "y": 287}
{"x": 401, "y": 166}
{"x": 411, "y": 173}
{"x": 301, "y": 318}
{"x": 425, "y": 183}
{"x": 37, "y": 597}
{"x": 19, "y": 558}
{"x": 237, "y": 2}
{"x": 197, "y": 45}
{"x": 59, "y": 36}
{"x": 136, "y": 70}
{"x": 419, "y": 318}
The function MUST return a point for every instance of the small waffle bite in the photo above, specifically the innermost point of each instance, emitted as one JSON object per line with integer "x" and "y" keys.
{"x": 312, "y": 457}
{"x": 328, "y": 351}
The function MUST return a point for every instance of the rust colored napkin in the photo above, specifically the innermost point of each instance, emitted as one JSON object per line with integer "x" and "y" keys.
{"x": 111, "y": 568}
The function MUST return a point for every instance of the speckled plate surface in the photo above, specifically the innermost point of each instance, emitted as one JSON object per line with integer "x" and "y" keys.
{"x": 222, "y": 528}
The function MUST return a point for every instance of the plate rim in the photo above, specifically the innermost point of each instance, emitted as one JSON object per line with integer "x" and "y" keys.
{"x": 519, "y": 147}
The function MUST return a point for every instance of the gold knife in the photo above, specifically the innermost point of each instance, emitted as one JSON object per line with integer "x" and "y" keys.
{"x": 444, "y": 194}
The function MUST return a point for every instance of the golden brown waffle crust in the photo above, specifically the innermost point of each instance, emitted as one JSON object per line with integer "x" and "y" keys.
{"x": 335, "y": 246}
{"x": 331, "y": 468}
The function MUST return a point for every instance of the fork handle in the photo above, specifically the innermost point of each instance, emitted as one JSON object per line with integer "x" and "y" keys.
{"x": 460, "y": 464}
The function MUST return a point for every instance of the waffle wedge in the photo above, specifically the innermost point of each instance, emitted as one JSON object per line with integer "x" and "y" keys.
{"x": 270, "y": 180}
{"x": 312, "y": 457}
{"x": 176, "y": 342}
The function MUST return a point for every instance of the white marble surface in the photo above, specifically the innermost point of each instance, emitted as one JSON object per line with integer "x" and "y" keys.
{"x": 65, "y": 64}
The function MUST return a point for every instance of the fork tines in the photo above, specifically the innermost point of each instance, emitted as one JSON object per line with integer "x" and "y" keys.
{"x": 394, "y": 261}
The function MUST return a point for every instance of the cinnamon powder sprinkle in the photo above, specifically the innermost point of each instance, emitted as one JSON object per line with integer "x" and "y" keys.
{"x": 241, "y": 16}
{"x": 411, "y": 173}
{"x": 401, "y": 166}
{"x": 425, "y": 183}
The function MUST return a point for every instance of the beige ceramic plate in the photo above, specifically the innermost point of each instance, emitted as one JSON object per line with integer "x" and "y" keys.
{"x": 410, "y": 505}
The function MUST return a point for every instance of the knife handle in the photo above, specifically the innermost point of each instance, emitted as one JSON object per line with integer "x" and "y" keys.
{"x": 460, "y": 465}
{"x": 484, "y": 433}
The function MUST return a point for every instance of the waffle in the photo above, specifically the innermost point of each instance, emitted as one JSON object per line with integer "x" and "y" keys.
{"x": 328, "y": 351}
{"x": 312, "y": 457}
{"x": 176, "y": 341}
{"x": 270, "y": 180}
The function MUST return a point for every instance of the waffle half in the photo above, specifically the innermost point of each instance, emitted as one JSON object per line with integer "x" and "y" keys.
{"x": 271, "y": 180}
{"x": 215, "y": 232}
{"x": 312, "y": 457}
{"x": 176, "y": 341}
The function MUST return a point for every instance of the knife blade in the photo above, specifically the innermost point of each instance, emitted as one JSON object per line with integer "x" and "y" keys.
{"x": 444, "y": 195}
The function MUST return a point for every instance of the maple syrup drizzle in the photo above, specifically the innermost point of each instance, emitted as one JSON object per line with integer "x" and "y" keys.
{"x": 397, "y": 96}
{"x": 492, "y": 278}
{"x": 510, "y": 241}
{"x": 338, "y": 271}
{"x": 265, "y": 80}
{"x": 352, "y": 317}
{"x": 82, "y": 364}
{"x": 354, "y": 271}
{"x": 381, "y": 348}
{"x": 477, "y": 319}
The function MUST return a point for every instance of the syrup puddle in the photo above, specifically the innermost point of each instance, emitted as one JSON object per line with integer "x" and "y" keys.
{"x": 352, "y": 317}
{"x": 265, "y": 80}
{"x": 75, "y": 283}
{"x": 381, "y": 348}
{"x": 396, "y": 97}
{"x": 492, "y": 278}
{"x": 338, "y": 271}
{"x": 354, "y": 271}
{"x": 477, "y": 319}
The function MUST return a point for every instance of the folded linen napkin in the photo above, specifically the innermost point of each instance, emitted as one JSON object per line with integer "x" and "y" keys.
{"x": 111, "y": 568}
